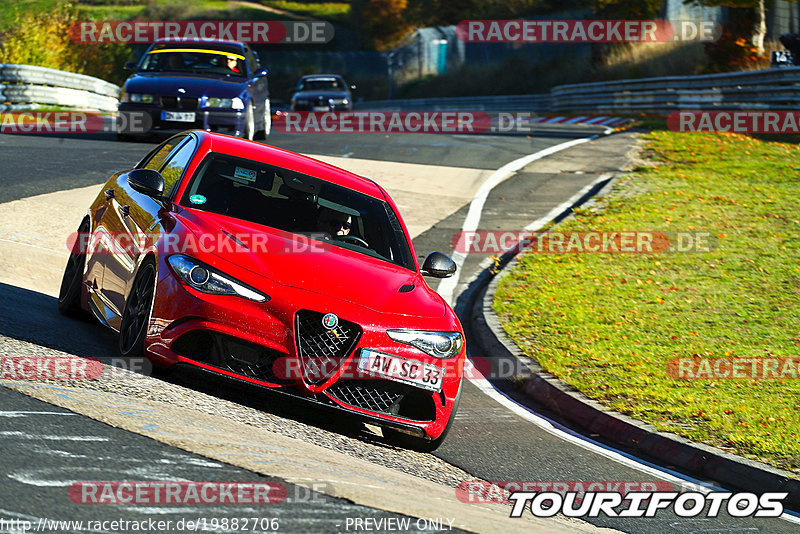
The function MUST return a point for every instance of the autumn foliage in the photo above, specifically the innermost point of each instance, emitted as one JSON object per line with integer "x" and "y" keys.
{"x": 382, "y": 21}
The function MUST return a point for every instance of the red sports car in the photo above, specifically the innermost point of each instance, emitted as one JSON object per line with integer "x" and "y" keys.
{"x": 275, "y": 269}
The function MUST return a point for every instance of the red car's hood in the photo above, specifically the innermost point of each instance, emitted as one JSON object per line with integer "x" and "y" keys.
{"x": 311, "y": 265}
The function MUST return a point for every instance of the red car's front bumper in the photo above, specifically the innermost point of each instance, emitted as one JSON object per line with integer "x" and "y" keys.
{"x": 259, "y": 343}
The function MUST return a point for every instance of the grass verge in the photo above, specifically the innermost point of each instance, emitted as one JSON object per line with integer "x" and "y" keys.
{"x": 608, "y": 323}
{"x": 332, "y": 11}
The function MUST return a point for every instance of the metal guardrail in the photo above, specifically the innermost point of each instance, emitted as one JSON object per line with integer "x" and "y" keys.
{"x": 763, "y": 89}
{"x": 24, "y": 87}
{"x": 28, "y": 87}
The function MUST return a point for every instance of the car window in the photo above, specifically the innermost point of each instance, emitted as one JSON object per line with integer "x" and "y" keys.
{"x": 178, "y": 161}
{"x": 298, "y": 203}
{"x": 155, "y": 160}
{"x": 195, "y": 60}
{"x": 252, "y": 62}
{"x": 320, "y": 84}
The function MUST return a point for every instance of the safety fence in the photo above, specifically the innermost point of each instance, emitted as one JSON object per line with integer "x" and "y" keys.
{"x": 762, "y": 89}
{"x": 26, "y": 87}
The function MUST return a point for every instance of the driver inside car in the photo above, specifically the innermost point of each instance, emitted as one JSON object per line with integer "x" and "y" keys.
{"x": 333, "y": 222}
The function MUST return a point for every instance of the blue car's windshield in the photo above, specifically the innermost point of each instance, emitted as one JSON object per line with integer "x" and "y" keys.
{"x": 195, "y": 61}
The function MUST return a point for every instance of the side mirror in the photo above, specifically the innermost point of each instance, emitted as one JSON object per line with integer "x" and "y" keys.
{"x": 147, "y": 182}
{"x": 438, "y": 265}
{"x": 131, "y": 66}
{"x": 259, "y": 74}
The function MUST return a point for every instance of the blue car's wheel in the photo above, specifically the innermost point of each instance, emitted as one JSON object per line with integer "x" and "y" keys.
{"x": 249, "y": 123}
{"x": 267, "y": 125}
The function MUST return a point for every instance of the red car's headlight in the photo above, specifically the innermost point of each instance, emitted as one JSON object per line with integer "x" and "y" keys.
{"x": 438, "y": 344}
{"x": 206, "y": 279}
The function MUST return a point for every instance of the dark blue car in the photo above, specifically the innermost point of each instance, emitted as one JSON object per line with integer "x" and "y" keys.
{"x": 212, "y": 85}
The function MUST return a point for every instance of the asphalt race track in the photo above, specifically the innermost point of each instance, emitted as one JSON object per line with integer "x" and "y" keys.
{"x": 47, "y": 447}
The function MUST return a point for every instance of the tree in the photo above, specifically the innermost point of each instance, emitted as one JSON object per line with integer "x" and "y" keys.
{"x": 758, "y": 32}
{"x": 381, "y": 21}
{"x": 623, "y": 9}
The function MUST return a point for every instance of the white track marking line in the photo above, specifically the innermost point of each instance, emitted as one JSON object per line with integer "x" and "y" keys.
{"x": 546, "y": 424}
{"x": 49, "y": 437}
{"x": 52, "y": 250}
{"x": 23, "y": 413}
{"x": 448, "y": 285}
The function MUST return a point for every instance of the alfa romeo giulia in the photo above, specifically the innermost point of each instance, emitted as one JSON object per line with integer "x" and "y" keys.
{"x": 275, "y": 269}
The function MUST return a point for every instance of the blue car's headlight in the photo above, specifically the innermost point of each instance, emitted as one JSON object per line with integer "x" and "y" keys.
{"x": 206, "y": 279}
{"x": 139, "y": 98}
{"x": 339, "y": 101}
{"x": 232, "y": 103}
{"x": 437, "y": 344}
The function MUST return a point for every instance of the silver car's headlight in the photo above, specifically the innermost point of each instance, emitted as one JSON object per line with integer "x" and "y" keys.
{"x": 437, "y": 344}
{"x": 206, "y": 279}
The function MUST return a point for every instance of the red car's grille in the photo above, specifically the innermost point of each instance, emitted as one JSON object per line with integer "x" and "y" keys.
{"x": 322, "y": 350}
{"x": 386, "y": 397}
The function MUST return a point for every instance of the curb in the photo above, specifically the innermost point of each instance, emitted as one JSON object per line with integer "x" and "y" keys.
{"x": 697, "y": 459}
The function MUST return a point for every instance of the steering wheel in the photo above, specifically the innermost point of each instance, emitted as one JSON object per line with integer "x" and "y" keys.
{"x": 352, "y": 239}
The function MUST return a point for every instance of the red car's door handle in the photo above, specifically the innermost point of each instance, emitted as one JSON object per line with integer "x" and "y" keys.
{"x": 125, "y": 211}
{"x": 110, "y": 194}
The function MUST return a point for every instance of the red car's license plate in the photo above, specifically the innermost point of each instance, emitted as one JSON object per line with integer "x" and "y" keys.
{"x": 423, "y": 375}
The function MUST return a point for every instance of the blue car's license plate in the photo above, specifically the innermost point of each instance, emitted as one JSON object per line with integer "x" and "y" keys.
{"x": 177, "y": 116}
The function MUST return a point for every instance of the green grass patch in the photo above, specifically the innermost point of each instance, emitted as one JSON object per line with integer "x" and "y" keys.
{"x": 163, "y": 10}
{"x": 332, "y": 11}
{"x": 609, "y": 323}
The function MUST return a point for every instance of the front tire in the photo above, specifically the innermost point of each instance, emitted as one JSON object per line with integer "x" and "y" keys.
{"x": 407, "y": 441}
{"x": 249, "y": 123}
{"x": 263, "y": 134}
{"x": 136, "y": 317}
{"x": 69, "y": 296}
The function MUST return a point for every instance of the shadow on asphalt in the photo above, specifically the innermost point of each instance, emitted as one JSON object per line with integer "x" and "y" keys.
{"x": 33, "y": 317}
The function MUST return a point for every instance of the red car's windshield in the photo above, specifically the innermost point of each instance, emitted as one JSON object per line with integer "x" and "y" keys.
{"x": 298, "y": 203}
